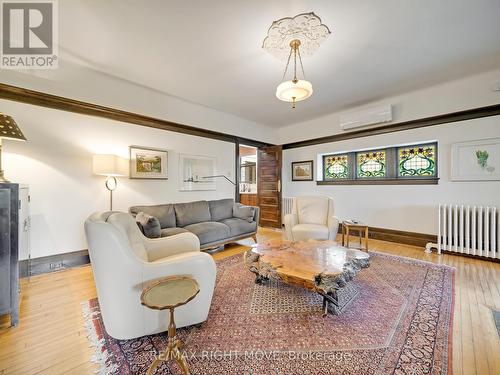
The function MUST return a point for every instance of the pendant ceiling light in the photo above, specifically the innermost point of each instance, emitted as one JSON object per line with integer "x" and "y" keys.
{"x": 286, "y": 38}
{"x": 296, "y": 89}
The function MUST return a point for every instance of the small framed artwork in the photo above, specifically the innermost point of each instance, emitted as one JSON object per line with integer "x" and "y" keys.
{"x": 196, "y": 172}
{"x": 302, "y": 170}
{"x": 148, "y": 163}
{"x": 476, "y": 160}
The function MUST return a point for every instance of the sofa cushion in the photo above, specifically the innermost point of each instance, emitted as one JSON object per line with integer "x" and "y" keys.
{"x": 239, "y": 226}
{"x": 221, "y": 209}
{"x": 172, "y": 231}
{"x": 164, "y": 212}
{"x": 191, "y": 213}
{"x": 246, "y": 213}
{"x": 210, "y": 231}
{"x": 304, "y": 232}
{"x": 150, "y": 225}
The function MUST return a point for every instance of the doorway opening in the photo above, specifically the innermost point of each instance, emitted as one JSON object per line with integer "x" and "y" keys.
{"x": 247, "y": 175}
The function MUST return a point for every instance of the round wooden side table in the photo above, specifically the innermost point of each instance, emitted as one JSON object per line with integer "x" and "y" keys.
{"x": 169, "y": 293}
{"x": 360, "y": 228}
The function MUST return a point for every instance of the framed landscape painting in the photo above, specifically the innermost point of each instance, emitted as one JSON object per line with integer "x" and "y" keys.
{"x": 476, "y": 160}
{"x": 302, "y": 170}
{"x": 148, "y": 163}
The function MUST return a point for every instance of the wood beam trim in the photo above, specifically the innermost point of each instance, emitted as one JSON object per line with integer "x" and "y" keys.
{"x": 492, "y": 110}
{"x": 383, "y": 181}
{"x": 42, "y": 99}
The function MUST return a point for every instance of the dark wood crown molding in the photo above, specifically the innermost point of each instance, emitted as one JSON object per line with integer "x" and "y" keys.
{"x": 33, "y": 97}
{"x": 28, "y": 96}
{"x": 492, "y": 110}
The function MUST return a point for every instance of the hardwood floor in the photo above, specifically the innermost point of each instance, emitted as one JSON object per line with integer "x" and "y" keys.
{"x": 50, "y": 338}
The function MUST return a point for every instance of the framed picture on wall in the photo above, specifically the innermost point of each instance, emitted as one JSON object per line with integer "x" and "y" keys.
{"x": 302, "y": 170}
{"x": 148, "y": 163}
{"x": 477, "y": 160}
{"x": 196, "y": 172}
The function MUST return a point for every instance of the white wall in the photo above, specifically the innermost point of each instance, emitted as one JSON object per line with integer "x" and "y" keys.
{"x": 458, "y": 95}
{"x": 56, "y": 162}
{"x": 403, "y": 207}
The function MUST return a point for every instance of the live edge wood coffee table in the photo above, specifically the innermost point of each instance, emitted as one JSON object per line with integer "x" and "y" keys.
{"x": 320, "y": 266}
{"x": 169, "y": 293}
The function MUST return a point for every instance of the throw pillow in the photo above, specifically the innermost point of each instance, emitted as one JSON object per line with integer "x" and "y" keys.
{"x": 243, "y": 212}
{"x": 150, "y": 225}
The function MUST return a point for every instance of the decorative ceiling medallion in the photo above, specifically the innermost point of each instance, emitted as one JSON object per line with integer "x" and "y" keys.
{"x": 306, "y": 27}
{"x": 293, "y": 37}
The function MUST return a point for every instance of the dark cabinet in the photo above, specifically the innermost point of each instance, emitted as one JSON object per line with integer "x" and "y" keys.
{"x": 9, "y": 252}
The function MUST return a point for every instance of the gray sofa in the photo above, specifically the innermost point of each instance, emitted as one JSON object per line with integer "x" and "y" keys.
{"x": 215, "y": 222}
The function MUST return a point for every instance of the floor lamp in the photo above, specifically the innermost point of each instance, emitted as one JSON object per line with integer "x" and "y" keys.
{"x": 111, "y": 166}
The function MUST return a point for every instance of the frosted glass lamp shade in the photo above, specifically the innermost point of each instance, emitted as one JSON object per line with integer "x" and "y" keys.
{"x": 109, "y": 165}
{"x": 288, "y": 90}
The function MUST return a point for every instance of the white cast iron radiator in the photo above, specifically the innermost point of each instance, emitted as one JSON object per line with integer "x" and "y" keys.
{"x": 469, "y": 230}
{"x": 286, "y": 207}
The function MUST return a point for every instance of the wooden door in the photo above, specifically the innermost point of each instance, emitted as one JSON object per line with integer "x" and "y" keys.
{"x": 269, "y": 186}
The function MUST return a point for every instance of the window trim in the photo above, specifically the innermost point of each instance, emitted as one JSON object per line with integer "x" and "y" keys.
{"x": 383, "y": 181}
{"x": 391, "y": 169}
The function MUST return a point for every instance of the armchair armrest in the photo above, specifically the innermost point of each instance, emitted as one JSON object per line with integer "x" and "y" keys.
{"x": 333, "y": 227}
{"x": 189, "y": 263}
{"x": 158, "y": 248}
{"x": 199, "y": 265}
{"x": 291, "y": 220}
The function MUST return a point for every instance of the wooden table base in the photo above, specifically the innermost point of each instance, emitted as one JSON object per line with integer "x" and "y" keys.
{"x": 173, "y": 350}
{"x": 360, "y": 228}
{"x": 334, "y": 301}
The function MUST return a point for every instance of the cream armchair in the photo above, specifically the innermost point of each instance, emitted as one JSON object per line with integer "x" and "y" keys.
{"x": 124, "y": 261}
{"x": 311, "y": 218}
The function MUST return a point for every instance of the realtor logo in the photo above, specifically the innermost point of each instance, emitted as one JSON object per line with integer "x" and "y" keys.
{"x": 29, "y": 34}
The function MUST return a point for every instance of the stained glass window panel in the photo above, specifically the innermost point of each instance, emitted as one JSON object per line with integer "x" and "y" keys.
{"x": 336, "y": 167}
{"x": 370, "y": 164}
{"x": 417, "y": 160}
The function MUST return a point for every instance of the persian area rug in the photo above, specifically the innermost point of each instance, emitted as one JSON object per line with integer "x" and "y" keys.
{"x": 400, "y": 322}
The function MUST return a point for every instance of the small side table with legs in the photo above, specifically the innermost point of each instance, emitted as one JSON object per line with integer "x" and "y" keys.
{"x": 169, "y": 293}
{"x": 360, "y": 228}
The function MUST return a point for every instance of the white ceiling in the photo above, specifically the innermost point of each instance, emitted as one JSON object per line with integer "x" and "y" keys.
{"x": 209, "y": 52}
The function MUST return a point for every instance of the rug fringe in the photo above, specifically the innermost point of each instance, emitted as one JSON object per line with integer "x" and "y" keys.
{"x": 101, "y": 355}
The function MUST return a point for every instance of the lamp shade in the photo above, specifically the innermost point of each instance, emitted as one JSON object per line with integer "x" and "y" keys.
{"x": 109, "y": 165}
{"x": 9, "y": 129}
{"x": 289, "y": 90}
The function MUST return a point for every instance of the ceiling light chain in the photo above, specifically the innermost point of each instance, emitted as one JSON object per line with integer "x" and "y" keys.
{"x": 303, "y": 89}
{"x": 295, "y": 48}
{"x": 301, "y": 66}
{"x": 287, "y": 63}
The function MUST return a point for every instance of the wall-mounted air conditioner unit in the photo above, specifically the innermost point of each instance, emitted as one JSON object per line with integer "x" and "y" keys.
{"x": 368, "y": 116}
